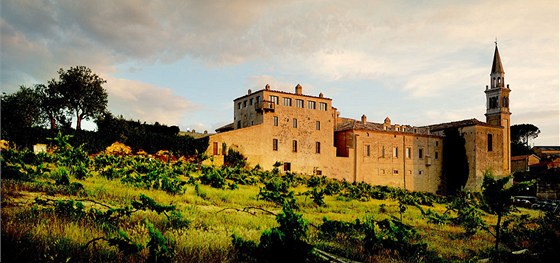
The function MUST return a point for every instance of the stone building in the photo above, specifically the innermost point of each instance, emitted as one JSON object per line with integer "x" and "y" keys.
{"x": 522, "y": 163}
{"x": 306, "y": 134}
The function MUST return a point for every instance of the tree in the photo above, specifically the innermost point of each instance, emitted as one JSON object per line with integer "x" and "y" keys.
{"x": 53, "y": 106}
{"x": 20, "y": 110}
{"x": 522, "y": 133}
{"x": 81, "y": 92}
{"x": 498, "y": 200}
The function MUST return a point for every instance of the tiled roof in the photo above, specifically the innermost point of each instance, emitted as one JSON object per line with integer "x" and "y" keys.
{"x": 547, "y": 148}
{"x": 458, "y": 124}
{"x": 523, "y": 157}
{"x": 350, "y": 124}
{"x": 227, "y": 127}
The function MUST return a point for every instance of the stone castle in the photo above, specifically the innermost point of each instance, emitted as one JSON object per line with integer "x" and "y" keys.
{"x": 306, "y": 134}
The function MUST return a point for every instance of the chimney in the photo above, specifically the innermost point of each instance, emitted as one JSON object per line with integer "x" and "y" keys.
{"x": 298, "y": 89}
{"x": 249, "y": 92}
{"x": 267, "y": 87}
{"x": 387, "y": 121}
{"x": 364, "y": 119}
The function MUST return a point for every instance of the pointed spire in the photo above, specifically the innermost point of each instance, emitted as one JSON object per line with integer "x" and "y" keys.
{"x": 497, "y": 64}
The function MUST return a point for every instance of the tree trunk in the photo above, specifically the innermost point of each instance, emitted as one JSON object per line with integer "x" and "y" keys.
{"x": 78, "y": 122}
{"x": 53, "y": 122}
{"x": 496, "y": 259}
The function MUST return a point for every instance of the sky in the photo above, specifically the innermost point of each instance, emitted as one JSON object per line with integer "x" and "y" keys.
{"x": 183, "y": 62}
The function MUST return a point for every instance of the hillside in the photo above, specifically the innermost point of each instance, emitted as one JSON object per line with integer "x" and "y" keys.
{"x": 68, "y": 206}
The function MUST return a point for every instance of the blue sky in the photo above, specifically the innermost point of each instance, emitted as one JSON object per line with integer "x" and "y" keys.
{"x": 183, "y": 62}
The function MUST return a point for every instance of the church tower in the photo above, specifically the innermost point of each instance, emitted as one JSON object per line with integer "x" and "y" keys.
{"x": 497, "y": 105}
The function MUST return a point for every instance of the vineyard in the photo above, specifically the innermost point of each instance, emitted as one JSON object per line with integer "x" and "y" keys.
{"x": 68, "y": 206}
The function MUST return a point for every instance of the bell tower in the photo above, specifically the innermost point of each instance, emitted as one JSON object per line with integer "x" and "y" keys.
{"x": 497, "y": 104}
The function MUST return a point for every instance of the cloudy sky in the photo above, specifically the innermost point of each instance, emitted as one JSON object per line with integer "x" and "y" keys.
{"x": 183, "y": 62}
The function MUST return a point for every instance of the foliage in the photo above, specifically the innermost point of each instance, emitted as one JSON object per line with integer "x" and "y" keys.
{"x": 82, "y": 92}
{"x": 276, "y": 190}
{"x": 376, "y": 236}
{"x": 20, "y": 111}
{"x": 284, "y": 243}
{"x": 455, "y": 170}
{"x": 234, "y": 158}
{"x": 497, "y": 200}
{"x": 522, "y": 133}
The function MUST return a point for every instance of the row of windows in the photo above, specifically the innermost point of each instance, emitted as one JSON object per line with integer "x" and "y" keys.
{"x": 299, "y": 103}
{"x": 249, "y": 102}
{"x": 295, "y": 123}
{"x": 285, "y": 101}
{"x": 408, "y": 152}
{"x": 295, "y": 146}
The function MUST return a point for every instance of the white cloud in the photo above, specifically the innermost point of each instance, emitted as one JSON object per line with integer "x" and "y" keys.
{"x": 141, "y": 101}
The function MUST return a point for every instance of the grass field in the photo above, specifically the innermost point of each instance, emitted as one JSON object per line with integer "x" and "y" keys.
{"x": 39, "y": 224}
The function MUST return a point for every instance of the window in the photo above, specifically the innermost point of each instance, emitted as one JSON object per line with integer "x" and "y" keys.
{"x": 287, "y": 167}
{"x": 294, "y": 146}
{"x": 258, "y": 99}
{"x": 436, "y": 155}
{"x": 382, "y": 151}
{"x": 238, "y": 124}
{"x": 311, "y": 105}
{"x": 317, "y": 125}
{"x": 408, "y": 152}
{"x": 420, "y": 172}
{"x": 367, "y": 150}
{"x": 251, "y": 101}
{"x": 437, "y": 143}
{"x": 286, "y": 101}
{"x": 317, "y": 147}
{"x": 239, "y": 105}
{"x": 224, "y": 148}
{"x": 322, "y": 106}
{"x": 395, "y": 171}
{"x": 275, "y": 120}
{"x": 420, "y": 153}
{"x": 244, "y": 104}
{"x": 275, "y": 144}
{"x": 396, "y": 152}
{"x": 294, "y": 123}
{"x": 318, "y": 172}
{"x": 489, "y": 142}
{"x": 493, "y": 103}
{"x": 274, "y": 99}
{"x": 299, "y": 103}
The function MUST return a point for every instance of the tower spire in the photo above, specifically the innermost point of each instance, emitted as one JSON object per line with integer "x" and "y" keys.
{"x": 497, "y": 63}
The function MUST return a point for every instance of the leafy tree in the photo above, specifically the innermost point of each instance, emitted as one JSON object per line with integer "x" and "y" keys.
{"x": 82, "y": 93}
{"x": 522, "y": 133}
{"x": 498, "y": 200}
{"x": 520, "y": 136}
{"x": 53, "y": 106}
{"x": 19, "y": 112}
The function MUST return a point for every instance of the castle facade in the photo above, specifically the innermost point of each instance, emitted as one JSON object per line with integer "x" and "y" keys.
{"x": 306, "y": 134}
